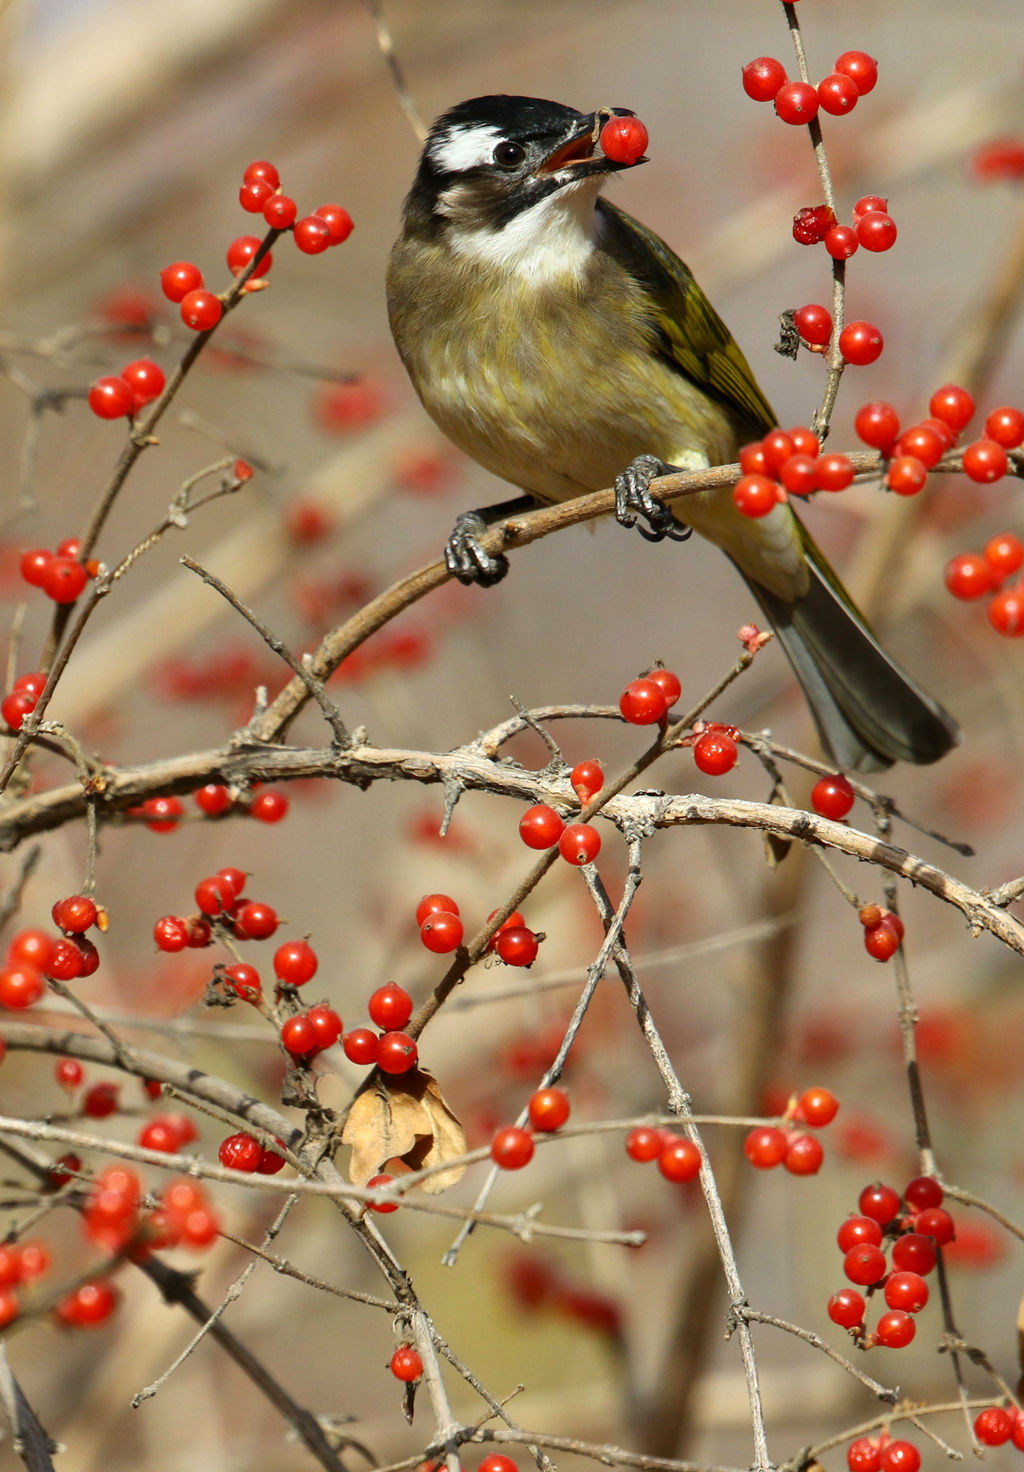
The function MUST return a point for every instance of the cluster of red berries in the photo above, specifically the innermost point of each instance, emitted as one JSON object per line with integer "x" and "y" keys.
{"x": 512, "y": 1146}
{"x": 391, "y": 1050}
{"x": 22, "y": 698}
{"x": 260, "y": 193}
{"x": 767, "y": 1146}
{"x": 541, "y": 827}
{"x": 972, "y": 575}
{"x": 786, "y": 463}
{"x": 33, "y": 955}
{"x": 59, "y": 574}
{"x": 125, "y": 393}
{"x": 21, "y": 1263}
{"x": 441, "y": 928}
{"x": 873, "y": 228}
{"x": 883, "y": 931}
{"x": 882, "y": 1454}
{"x": 536, "y": 1283}
{"x": 624, "y": 140}
{"x": 853, "y": 76}
{"x": 679, "y": 1159}
{"x": 997, "y": 1425}
{"x": 647, "y": 701}
{"x": 910, "y": 454}
{"x": 917, "y": 1226}
{"x": 115, "y": 1217}
{"x": 244, "y": 1152}
{"x": 220, "y": 900}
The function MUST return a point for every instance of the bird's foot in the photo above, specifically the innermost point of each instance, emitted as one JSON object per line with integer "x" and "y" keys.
{"x": 635, "y": 506}
{"x": 465, "y": 557}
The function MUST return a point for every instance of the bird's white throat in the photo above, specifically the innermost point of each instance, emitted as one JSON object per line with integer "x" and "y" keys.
{"x": 549, "y": 241}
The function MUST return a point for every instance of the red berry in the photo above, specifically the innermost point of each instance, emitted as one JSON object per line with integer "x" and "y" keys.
{"x": 312, "y": 235}
{"x": 907, "y": 1291}
{"x": 1003, "y": 553}
{"x": 906, "y": 475}
{"x": 295, "y": 962}
{"x": 244, "y": 981}
{"x": 624, "y": 140}
{"x": 895, "y": 1329}
{"x": 74, "y": 914}
{"x": 857, "y": 1231}
{"x": 16, "y": 706}
{"x": 540, "y": 826}
{"x": 922, "y": 442}
{"x": 860, "y": 343}
{"x": 548, "y": 1109}
{"x": 870, "y": 204}
{"x": 65, "y": 961}
{"x": 171, "y": 933}
{"x": 1005, "y": 425}
{"x": 512, "y": 1148}
{"x": 396, "y": 1053}
{"x": 914, "y": 1253}
{"x": 242, "y": 250}
{"x": 814, "y": 324}
{"x": 261, "y": 169}
{"x": 271, "y": 1161}
{"x": 882, "y": 941}
{"x": 406, "y": 1364}
{"x": 880, "y": 1202}
{"x": 862, "y": 1455}
{"x": 200, "y": 310}
{"x": 644, "y": 1143}
{"x": 383, "y": 1207}
{"x": 968, "y": 576}
{"x": 796, "y": 102}
{"x": 234, "y": 879}
{"x": 213, "y": 799}
{"x": 804, "y": 1155}
{"x": 279, "y": 211}
{"x": 841, "y": 242}
{"x": 162, "y": 814}
{"x": 812, "y": 223}
{"x": 755, "y": 495}
{"x": 587, "y": 778}
{"x": 64, "y": 579}
{"x": 763, "y": 77}
{"x": 935, "y": 1222}
{"x": 68, "y": 1073}
{"x": 337, "y": 220}
{"x": 327, "y": 1023}
{"x": 985, "y": 461}
{"x": 643, "y": 703}
{"x": 1006, "y": 612}
{"x": 817, "y": 1107}
{"x": 360, "y": 1046}
{"x": 670, "y": 686}
{"x": 751, "y": 459}
{"x": 255, "y": 921}
{"x": 899, "y": 1456}
{"x": 145, "y": 379}
{"x": 579, "y": 844}
{"x": 846, "y": 1308}
{"x": 240, "y": 1152}
{"x": 993, "y": 1426}
{"x": 878, "y": 425}
{"x": 432, "y": 904}
{"x": 100, "y": 1100}
{"x": 838, "y": 93}
{"x": 765, "y": 1147}
{"x": 876, "y": 231}
{"x": 268, "y": 807}
{"x": 254, "y": 194}
{"x": 516, "y": 945}
{"x": 299, "y": 1036}
{"x": 835, "y": 472}
{"x": 111, "y": 398}
{"x": 860, "y": 67}
{"x": 88, "y": 1305}
{"x": 832, "y": 797}
{"x": 777, "y": 447}
{"x": 497, "y": 1463}
{"x": 390, "y": 1007}
{"x": 441, "y": 932}
{"x": 679, "y": 1160}
{"x": 215, "y": 894}
{"x": 922, "y": 1193}
{"x": 179, "y": 279}
{"x": 715, "y": 753}
{"x": 953, "y": 405}
{"x": 799, "y": 475}
{"x": 864, "y": 1264}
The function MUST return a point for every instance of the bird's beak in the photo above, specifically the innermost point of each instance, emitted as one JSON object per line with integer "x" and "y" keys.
{"x": 581, "y": 154}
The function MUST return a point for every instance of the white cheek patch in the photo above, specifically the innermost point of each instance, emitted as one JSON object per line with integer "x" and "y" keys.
{"x": 458, "y": 149}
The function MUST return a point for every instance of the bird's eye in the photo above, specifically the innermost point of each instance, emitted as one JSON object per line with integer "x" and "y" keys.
{"x": 508, "y": 155}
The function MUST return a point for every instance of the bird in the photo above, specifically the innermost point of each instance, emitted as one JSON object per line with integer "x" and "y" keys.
{"x": 565, "y": 347}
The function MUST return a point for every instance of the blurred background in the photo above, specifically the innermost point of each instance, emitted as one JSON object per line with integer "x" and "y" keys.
{"x": 124, "y": 131}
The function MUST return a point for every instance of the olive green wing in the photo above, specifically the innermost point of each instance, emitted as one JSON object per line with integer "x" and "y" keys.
{"x": 694, "y": 338}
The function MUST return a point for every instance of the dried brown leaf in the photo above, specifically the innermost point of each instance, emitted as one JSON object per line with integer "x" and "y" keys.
{"x": 404, "y": 1117}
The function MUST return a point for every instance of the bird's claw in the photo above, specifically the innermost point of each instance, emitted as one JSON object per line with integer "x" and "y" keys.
{"x": 635, "y": 506}
{"x": 467, "y": 560}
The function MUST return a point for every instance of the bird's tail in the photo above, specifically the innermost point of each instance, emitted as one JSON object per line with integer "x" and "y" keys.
{"x": 868, "y": 712}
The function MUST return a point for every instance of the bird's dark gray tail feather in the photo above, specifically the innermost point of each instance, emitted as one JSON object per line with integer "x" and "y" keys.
{"x": 868, "y": 712}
